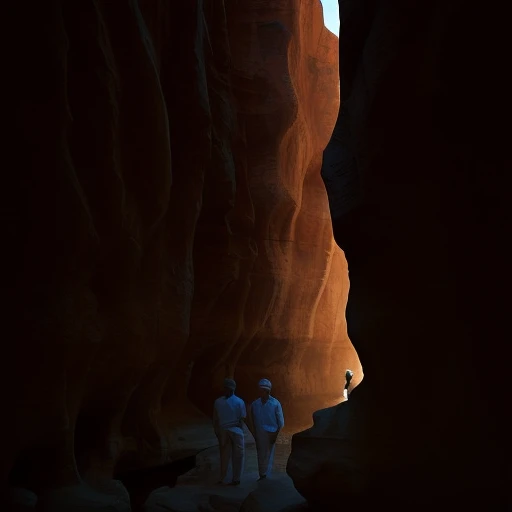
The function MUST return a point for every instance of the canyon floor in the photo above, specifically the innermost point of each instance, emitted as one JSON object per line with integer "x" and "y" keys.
{"x": 198, "y": 490}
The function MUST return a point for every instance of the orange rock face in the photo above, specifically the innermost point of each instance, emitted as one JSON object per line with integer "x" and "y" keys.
{"x": 284, "y": 285}
{"x": 170, "y": 228}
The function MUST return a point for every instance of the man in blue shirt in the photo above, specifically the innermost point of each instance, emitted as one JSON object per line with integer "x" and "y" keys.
{"x": 266, "y": 420}
{"x": 228, "y": 418}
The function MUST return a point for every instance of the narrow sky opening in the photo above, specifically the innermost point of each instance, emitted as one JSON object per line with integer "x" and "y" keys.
{"x": 331, "y": 15}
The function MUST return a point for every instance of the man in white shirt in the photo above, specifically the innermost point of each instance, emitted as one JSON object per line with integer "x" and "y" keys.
{"x": 266, "y": 420}
{"x": 228, "y": 418}
{"x": 348, "y": 377}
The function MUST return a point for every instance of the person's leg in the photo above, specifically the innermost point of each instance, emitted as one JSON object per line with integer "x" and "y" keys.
{"x": 225, "y": 454}
{"x": 238, "y": 450}
{"x": 263, "y": 451}
{"x": 270, "y": 463}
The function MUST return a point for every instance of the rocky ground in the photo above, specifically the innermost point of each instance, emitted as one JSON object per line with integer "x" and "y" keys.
{"x": 197, "y": 490}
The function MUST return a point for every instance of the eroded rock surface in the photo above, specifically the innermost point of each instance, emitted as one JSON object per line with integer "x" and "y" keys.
{"x": 167, "y": 226}
{"x": 198, "y": 490}
{"x": 281, "y": 278}
{"x": 415, "y": 173}
{"x": 276, "y": 495}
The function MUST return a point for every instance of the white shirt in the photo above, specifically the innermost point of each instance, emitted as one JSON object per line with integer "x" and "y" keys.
{"x": 228, "y": 412}
{"x": 267, "y": 416}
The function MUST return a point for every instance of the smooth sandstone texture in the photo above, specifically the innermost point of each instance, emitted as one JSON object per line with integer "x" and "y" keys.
{"x": 167, "y": 226}
{"x": 283, "y": 281}
{"x": 415, "y": 173}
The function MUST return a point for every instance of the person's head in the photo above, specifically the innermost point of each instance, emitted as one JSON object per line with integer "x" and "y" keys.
{"x": 265, "y": 386}
{"x": 229, "y": 387}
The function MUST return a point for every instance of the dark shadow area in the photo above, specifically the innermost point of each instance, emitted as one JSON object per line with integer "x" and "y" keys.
{"x": 140, "y": 483}
{"x": 182, "y": 196}
{"x": 417, "y": 177}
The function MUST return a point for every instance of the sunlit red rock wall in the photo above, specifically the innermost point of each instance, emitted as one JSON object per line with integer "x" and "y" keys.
{"x": 167, "y": 225}
{"x": 274, "y": 285}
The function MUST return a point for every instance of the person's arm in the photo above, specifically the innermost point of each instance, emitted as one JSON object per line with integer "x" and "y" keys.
{"x": 279, "y": 421}
{"x": 243, "y": 414}
{"x": 250, "y": 421}
{"x": 216, "y": 426}
{"x": 279, "y": 417}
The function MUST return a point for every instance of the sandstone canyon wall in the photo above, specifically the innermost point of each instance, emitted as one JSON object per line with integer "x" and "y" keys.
{"x": 167, "y": 226}
{"x": 416, "y": 174}
{"x": 284, "y": 282}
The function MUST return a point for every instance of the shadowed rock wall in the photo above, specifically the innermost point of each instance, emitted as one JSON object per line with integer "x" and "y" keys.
{"x": 415, "y": 173}
{"x": 167, "y": 225}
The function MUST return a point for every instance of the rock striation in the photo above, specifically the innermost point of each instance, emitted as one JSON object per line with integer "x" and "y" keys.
{"x": 167, "y": 226}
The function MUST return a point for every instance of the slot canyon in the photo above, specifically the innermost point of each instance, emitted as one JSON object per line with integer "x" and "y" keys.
{"x": 185, "y": 186}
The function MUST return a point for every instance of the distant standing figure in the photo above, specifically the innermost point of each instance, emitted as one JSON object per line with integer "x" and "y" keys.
{"x": 228, "y": 418}
{"x": 348, "y": 376}
{"x": 266, "y": 420}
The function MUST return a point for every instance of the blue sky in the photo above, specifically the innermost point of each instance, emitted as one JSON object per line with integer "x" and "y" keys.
{"x": 331, "y": 19}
